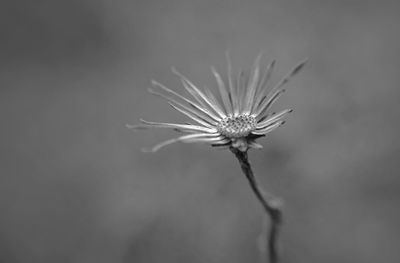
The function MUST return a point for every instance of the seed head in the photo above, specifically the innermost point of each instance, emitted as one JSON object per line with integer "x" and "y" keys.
{"x": 237, "y": 126}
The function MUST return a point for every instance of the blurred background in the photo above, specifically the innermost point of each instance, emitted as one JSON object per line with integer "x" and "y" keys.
{"x": 74, "y": 186}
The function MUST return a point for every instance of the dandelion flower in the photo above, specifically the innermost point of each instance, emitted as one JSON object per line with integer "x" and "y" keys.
{"x": 234, "y": 118}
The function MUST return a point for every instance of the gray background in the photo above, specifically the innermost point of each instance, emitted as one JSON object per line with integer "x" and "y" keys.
{"x": 74, "y": 186}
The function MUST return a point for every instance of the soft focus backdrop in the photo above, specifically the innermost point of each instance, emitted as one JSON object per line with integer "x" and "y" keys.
{"x": 74, "y": 186}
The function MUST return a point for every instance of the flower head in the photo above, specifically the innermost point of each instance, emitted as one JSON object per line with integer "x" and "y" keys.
{"x": 235, "y": 119}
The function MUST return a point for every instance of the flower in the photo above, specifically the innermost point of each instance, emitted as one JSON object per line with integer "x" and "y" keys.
{"x": 236, "y": 119}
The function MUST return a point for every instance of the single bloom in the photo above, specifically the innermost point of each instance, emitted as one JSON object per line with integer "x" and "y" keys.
{"x": 235, "y": 117}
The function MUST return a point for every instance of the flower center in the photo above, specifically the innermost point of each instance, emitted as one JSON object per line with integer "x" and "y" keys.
{"x": 238, "y": 126}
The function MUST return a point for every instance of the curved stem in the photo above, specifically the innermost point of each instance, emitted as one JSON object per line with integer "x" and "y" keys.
{"x": 270, "y": 203}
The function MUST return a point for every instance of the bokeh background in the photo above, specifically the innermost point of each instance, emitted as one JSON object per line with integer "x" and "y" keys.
{"x": 74, "y": 186}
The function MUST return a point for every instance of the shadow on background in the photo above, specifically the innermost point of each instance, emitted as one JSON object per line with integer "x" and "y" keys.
{"x": 74, "y": 186}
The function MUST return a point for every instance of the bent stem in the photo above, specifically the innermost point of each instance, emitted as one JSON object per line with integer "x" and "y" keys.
{"x": 271, "y": 204}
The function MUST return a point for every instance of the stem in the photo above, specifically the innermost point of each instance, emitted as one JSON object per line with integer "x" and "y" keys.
{"x": 270, "y": 203}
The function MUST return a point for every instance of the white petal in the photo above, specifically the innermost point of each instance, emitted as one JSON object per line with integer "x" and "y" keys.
{"x": 197, "y": 94}
{"x": 210, "y": 122}
{"x": 184, "y": 138}
{"x": 266, "y": 104}
{"x": 273, "y": 118}
{"x": 148, "y": 124}
{"x": 241, "y": 90}
{"x": 222, "y": 91}
{"x": 232, "y": 92}
{"x": 215, "y": 102}
{"x": 268, "y": 128}
{"x": 191, "y": 103}
{"x": 291, "y": 73}
{"x": 253, "y": 83}
{"x": 192, "y": 116}
{"x": 260, "y": 93}
{"x": 205, "y": 139}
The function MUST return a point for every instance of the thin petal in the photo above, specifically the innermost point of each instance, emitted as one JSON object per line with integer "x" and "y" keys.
{"x": 148, "y": 124}
{"x": 205, "y": 139}
{"x": 266, "y": 104}
{"x": 267, "y": 74}
{"x": 214, "y": 101}
{"x": 222, "y": 91}
{"x": 291, "y": 73}
{"x": 273, "y": 118}
{"x": 263, "y": 85}
{"x": 209, "y": 122}
{"x": 233, "y": 97}
{"x": 253, "y": 83}
{"x": 222, "y": 142}
{"x": 268, "y": 128}
{"x": 197, "y": 94}
{"x": 190, "y": 102}
{"x": 276, "y": 89}
{"x": 265, "y": 116}
{"x": 184, "y": 138}
{"x": 241, "y": 89}
{"x": 190, "y": 115}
